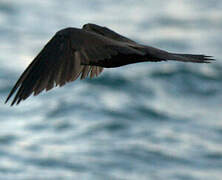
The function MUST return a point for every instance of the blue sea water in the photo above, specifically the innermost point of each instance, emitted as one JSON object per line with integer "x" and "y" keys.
{"x": 141, "y": 121}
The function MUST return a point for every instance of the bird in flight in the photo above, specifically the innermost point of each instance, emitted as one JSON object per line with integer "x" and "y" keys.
{"x": 73, "y": 53}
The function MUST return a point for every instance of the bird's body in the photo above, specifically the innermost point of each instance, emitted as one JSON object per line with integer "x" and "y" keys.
{"x": 74, "y": 52}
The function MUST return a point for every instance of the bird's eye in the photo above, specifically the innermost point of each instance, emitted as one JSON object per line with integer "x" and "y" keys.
{"x": 60, "y": 36}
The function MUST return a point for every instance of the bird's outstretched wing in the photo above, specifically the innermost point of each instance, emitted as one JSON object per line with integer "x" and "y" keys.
{"x": 69, "y": 54}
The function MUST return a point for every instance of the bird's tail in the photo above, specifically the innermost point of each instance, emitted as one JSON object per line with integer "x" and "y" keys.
{"x": 155, "y": 54}
{"x": 195, "y": 58}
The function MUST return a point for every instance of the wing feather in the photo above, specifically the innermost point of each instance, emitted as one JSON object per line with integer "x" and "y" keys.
{"x": 85, "y": 71}
{"x": 51, "y": 67}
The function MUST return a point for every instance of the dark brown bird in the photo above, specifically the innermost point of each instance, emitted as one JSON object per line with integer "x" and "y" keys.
{"x": 76, "y": 52}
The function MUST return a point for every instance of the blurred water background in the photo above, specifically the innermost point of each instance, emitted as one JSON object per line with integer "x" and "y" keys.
{"x": 141, "y": 121}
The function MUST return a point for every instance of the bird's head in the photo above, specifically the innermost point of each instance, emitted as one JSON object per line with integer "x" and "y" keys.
{"x": 64, "y": 33}
{"x": 104, "y": 31}
{"x": 95, "y": 28}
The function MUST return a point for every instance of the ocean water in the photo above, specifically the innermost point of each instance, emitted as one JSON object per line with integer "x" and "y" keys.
{"x": 142, "y": 121}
